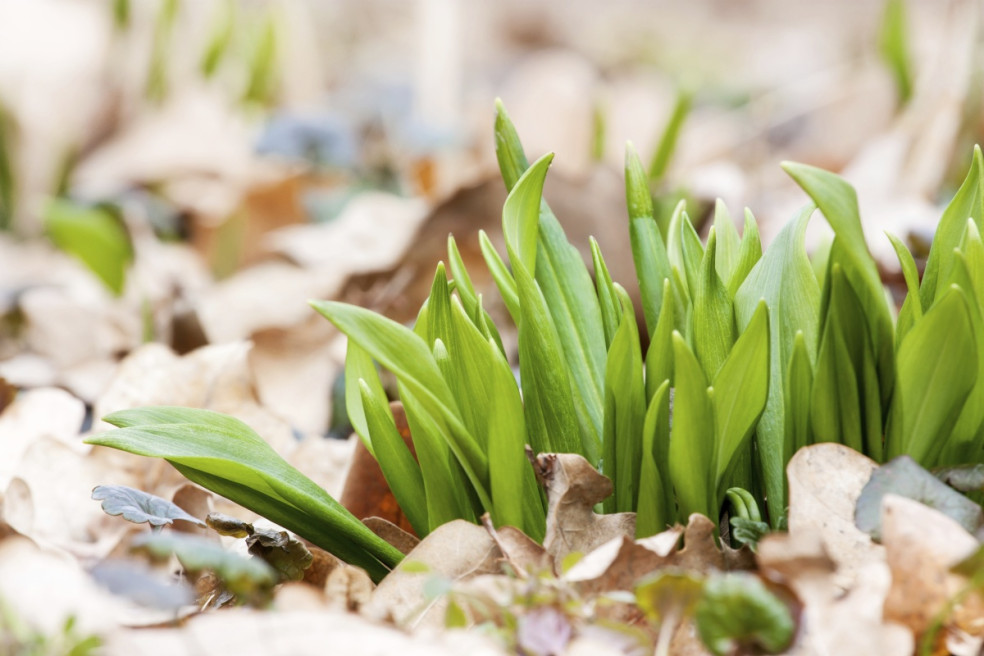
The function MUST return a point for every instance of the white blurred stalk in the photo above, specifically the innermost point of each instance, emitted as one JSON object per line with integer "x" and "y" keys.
{"x": 437, "y": 97}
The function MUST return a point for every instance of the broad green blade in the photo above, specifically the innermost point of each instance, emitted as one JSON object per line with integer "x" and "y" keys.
{"x": 398, "y": 465}
{"x": 691, "y": 252}
{"x": 728, "y": 242}
{"x": 500, "y": 274}
{"x": 799, "y": 383}
{"x": 624, "y": 386}
{"x": 967, "y": 203}
{"x": 447, "y": 489}
{"x": 936, "y": 375}
{"x": 912, "y": 310}
{"x": 359, "y": 366}
{"x": 749, "y": 254}
{"x": 714, "y": 322}
{"x": 521, "y": 215}
{"x": 692, "y": 435}
{"x": 551, "y": 417}
{"x": 839, "y": 204}
{"x": 671, "y": 133}
{"x": 740, "y": 392}
{"x": 406, "y": 354}
{"x": 227, "y": 449}
{"x": 659, "y": 357}
{"x": 784, "y": 279}
{"x": 648, "y": 249}
{"x": 568, "y": 289}
{"x": 656, "y": 508}
{"x": 611, "y": 309}
{"x": 893, "y": 44}
{"x": 94, "y": 235}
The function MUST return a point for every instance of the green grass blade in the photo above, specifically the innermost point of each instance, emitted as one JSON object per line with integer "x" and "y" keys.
{"x": 659, "y": 357}
{"x": 94, "y": 235}
{"x": 967, "y": 202}
{"x": 839, "y": 204}
{"x": 671, "y": 133}
{"x": 399, "y": 467}
{"x": 784, "y": 279}
{"x": 912, "y": 310}
{"x": 624, "y": 385}
{"x": 741, "y": 389}
{"x": 359, "y": 366}
{"x": 228, "y": 449}
{"x": 937, "y": 371}
{"x": 691, "y": 453}
{"x": 749, "y": 253}
{"x": 713, "y": 314}
{"x": 611, "y": 310}
{"x": 648, "y": 249}
{"x": 500, "y": 274}
{"x": 728, "y": 242}
{"x": 799, "y": 383}
{"x": 893, "y": 44}
{"x": 656, "y": 508}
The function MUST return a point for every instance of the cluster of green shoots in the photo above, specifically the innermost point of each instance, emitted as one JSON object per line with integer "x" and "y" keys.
{"x": 751, "y": 356}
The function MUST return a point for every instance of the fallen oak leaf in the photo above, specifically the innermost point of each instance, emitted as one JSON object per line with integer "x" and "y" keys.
{"x": 921, "y": 547}
{"x": 392, "y": 533}
{"x": 520, "y": 551}
{"x": 573, "y": 488}
{"x": 140, "y": 507}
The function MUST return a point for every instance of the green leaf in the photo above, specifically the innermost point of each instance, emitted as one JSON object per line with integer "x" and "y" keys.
{"x": 611, "y": 310}
{"x": 893, "y": 44}
{"x": 219, "y": 40}
{"x": 224, "y": 455}
{"x": 836, "y": 412}
{"x": 691, "y": 453}
{"x": 749, "y": 254}
{"x": 551, "y": 418}
{"x": 912, "y": 310}
{"x": 139, "y": 507}
{"x": 8, "y": 187}
{"x": 360, "y": 367}
{"x": 659, "y": 357}
{"x": 728, "y": 242}
{"x": 739, "y": 395}
{"x": 469, "y": 298}
{"x": 521, "y": 215}
{"x": 691, "y": 252}
{"x": 648, "y": 249}
{"x": 655, "y": 509}
{"x": 713, "y": 315}
{"x": 748, "y": 531}
{"x": 668, "y": 594}
{"x": 625, "y": 397}
{"x": 935, "y": 377}
{"x": 405, "y": 353}
{"x": 671, "y": 133}
{"x": 399, "y": 467}
{"x": 968, "y": 202}
{"x": 94, "y": 235}
{"x": 799, "y": 386}
{"x": 903, "y": 477}
{"x": 737, "y": 612}
{"x": 262, "y": 63}
{"x": 500, "y": 274}
{"x": 784, "y": 279}
{"x": 839, "y": 204}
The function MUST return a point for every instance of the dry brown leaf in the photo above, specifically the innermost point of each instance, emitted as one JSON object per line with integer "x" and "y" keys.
{"x": 35, "y": 414}
{"x": 921, "y": 545}
{"x": 833, "y": 620}
{"x": 195, "y": 501}
{"x": 457, "y": 551}
{"x": 573, "y": 488}
{"x": 825, "y": 481}
{"x": 523, "y": 554}
{"x": 396, "y": 536}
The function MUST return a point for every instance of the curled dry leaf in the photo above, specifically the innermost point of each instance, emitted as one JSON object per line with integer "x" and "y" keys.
{"x": 392, "y": 533}
{"x": 139, "y": 507}
{"x": 456, "y": 551}
{"x": 521, "y": 552}
{"x": 574, "y": 487}
{"x": 833, "y": 620}
{"x": 825, "y": 481}
{"x": 921, "y": 545}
